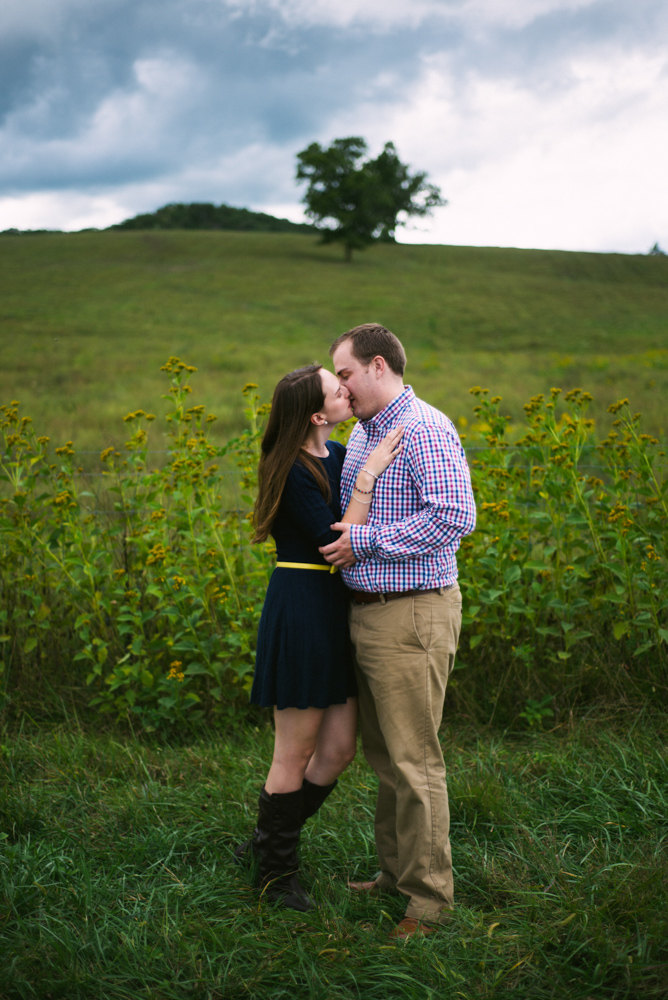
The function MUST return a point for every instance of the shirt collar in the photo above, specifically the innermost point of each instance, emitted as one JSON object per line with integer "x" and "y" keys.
{"x": 388, "y": 415}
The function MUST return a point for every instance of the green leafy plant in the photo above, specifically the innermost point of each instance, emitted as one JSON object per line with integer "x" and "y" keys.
{"x": 536, "y": 712}
{"x": 141, "y": 600}
{"x": 158, "y": 598}
{"x": 564, "y": 580}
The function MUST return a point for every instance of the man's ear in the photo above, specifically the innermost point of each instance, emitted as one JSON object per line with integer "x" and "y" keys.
{"x": 378, "y": 366}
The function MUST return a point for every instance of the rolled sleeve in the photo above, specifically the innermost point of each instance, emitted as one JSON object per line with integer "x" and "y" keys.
{"x": 362, "y": 541}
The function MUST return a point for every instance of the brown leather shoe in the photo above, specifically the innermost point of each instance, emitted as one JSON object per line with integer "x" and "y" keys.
{"x": 409, "y": 926}
{"x": 364, "y": 887}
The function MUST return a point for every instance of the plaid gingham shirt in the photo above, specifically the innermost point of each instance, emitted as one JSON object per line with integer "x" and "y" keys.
{"x": 422, "y": 504}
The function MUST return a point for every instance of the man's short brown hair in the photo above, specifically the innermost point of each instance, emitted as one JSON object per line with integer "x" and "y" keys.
{"x": 371, "y": 340}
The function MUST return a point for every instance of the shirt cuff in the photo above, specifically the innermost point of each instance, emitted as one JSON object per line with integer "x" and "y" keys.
{"x": 362, "y": 540}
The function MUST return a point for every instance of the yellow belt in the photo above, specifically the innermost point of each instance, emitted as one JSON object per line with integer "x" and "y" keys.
{"x": 327, "y": 569}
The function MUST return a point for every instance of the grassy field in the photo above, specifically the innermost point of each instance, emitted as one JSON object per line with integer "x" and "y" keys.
{"x": 88, "y": 318}
{"x": 116, "y": 879}
{"x": 117, "y": 882}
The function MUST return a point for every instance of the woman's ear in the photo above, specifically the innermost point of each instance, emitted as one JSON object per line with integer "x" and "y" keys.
{"x": 318, "y": 419}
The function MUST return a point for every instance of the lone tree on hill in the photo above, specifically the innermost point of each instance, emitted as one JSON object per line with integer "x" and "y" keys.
{"x": 358, "y": 203}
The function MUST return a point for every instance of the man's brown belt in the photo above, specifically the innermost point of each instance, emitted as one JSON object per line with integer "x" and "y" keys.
{"x": 366, "y": 597}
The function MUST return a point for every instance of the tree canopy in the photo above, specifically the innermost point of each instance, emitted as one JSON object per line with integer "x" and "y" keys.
{"x": 204, "y": 215}
{"x": 357, "y": 202}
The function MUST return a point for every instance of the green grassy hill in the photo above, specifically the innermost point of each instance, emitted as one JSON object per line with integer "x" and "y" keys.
{"x": 88, "y": 318}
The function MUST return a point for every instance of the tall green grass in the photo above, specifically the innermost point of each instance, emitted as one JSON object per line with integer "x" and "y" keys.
{"x": 88, "y": 318}
{"x": 117, "y": 881}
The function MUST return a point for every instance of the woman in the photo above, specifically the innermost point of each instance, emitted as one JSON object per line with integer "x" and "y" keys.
{"x": 303, "y": 664}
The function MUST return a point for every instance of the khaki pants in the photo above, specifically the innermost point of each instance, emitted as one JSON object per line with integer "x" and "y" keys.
{"x": 405, "y": 650}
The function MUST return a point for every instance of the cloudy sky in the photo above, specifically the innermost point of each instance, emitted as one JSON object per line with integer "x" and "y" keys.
{"x": 544, "y": 122}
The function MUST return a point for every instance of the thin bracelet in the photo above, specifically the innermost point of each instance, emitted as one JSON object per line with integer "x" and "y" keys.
{"x": 366, "y": 502}
{"x": 363, "y": 491}
{"x": 370, "y": 473}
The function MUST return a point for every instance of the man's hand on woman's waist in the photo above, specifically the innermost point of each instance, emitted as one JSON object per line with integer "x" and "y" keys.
{"x": 340, "y": 552}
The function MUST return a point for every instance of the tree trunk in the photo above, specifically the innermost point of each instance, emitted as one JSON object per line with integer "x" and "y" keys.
{"x": 349, "y": 253}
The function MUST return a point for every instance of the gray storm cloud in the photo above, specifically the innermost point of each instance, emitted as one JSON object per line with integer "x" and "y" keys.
{"x": 118, "y": 91}
{"x": 210, "y": 99}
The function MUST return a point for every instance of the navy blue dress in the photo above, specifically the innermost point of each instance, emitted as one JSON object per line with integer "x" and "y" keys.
{"x": 303, "y": 654}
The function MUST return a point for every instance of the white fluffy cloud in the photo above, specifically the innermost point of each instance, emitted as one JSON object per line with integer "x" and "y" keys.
{"x": 580, "y": 166}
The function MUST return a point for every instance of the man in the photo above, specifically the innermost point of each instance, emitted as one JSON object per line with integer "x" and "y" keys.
{"x": 405, "y": 615}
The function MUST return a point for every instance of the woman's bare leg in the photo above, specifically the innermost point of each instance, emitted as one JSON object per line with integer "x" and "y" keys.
{"x": 315, "y": 743}
{"x": 336, "y": 743}
{"x": 295, "y": 741}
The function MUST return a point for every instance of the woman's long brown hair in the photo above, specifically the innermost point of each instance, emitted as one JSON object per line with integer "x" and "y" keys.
{"x": 296, "y": 398}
